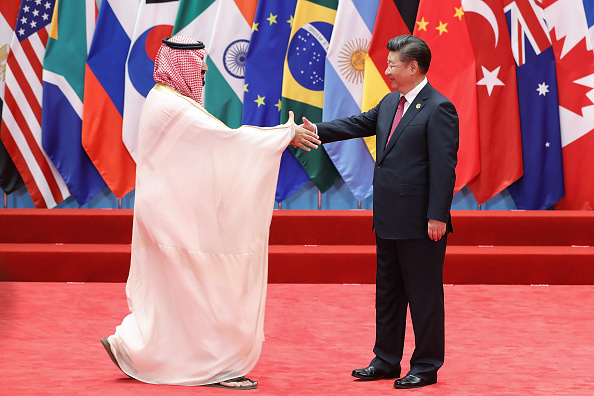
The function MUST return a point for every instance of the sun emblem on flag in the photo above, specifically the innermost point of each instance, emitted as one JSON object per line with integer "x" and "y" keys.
{"x": 351, "y": 60}
{"x": 234, "y": 58}
{"x": 3, "y": 57}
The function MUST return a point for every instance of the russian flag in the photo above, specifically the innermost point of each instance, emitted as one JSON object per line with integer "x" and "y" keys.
{"x": 104, "y": 95}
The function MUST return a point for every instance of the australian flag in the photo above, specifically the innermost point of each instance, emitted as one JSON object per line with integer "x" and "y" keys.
{"x": 542, "y": 183}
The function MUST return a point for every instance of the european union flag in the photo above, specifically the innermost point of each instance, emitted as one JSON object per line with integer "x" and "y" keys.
{"x": 264, "y": 80}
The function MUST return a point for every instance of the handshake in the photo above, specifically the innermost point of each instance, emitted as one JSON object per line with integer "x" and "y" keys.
{"x": 305, "y": 134}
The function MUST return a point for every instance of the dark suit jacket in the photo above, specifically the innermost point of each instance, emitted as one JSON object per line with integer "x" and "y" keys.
{"x": 414, "y": 175}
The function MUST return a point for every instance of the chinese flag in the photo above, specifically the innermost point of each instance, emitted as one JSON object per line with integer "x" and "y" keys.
{"x": 500, "y": 139}
{"x": 453, "y": 73}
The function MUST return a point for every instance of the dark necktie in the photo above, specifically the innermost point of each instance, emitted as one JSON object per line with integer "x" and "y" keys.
{"x": 398, "y": 116}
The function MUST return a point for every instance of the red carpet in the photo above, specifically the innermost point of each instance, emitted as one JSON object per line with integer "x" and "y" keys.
{"x": 501, "y": 340}
{"x": 308, "y": 246}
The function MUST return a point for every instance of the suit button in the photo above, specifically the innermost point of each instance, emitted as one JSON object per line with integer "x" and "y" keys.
{"x": 379, "y": 167}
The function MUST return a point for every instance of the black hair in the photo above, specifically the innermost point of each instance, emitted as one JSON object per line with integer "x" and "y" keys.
{"x": 411, "y": 48}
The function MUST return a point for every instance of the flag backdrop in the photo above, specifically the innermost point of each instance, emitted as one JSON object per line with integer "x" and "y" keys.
{"x": 394, "y": 17}
{"x": 303, "y": 80}
{"x": 21, "y": 114}
{"x": 542, "y": 183}
{"x": 103, "y": 104}
{"x": 550, "y": 41}
{"x": 264, "y": 81}
{"x": 343, "y": 90}
{"x": 500, "y": 139}
{"x": 154, "y": 22}
{"x": 195, "y": 18}
{"x": 10, "y": 180}
{"x": 72, "y": 29}
{"x": 226, "y": 60}
{"x": 443, "y": 26}
{"x": 568, "y": 27}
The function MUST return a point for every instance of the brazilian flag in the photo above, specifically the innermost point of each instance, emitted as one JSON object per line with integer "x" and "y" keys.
{"x": 303, "y": 80}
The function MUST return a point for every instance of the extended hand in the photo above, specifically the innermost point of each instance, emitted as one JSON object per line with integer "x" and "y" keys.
{"x": 304, "y": 137}
{"x": 308, "y": 125}
{"x": 436, "y": 229}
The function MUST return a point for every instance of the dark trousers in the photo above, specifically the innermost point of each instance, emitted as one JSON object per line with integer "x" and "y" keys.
{"x": 410, "y": 274}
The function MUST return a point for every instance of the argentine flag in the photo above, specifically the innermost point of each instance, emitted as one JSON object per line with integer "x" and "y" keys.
{"x": 343, "y": 90}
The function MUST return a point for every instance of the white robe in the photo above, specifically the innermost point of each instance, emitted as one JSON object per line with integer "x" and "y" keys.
{"x": 197, "y": 283}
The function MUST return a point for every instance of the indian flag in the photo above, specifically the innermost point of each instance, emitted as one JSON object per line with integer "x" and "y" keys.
{"x": 223, "y": 95}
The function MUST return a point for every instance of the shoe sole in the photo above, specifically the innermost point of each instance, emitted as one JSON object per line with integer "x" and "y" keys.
{"x": 107, "y": 347}
{"x": 375, "y": 378}
{"x": 238, "y": 379}
{"x": 232, "y": 387}
{"x": 414, "y": 386}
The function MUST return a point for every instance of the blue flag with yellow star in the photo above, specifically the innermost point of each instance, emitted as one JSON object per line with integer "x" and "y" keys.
{"x": 264, "y": 80}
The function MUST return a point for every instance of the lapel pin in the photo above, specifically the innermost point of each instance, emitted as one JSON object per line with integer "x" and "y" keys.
{"x": 418, "y": 106}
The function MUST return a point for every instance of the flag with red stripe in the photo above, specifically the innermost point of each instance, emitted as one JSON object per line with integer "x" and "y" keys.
{"x": 394, "y": 18}
{"x": 568, "y": 27}
{"x": 10, "y": 180}
{"x": 103, "y": 104}
{"x": 21, "y": 115}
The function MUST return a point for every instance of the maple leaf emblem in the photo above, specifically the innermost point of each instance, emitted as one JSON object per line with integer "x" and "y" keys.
{"x": 576, "y": 65}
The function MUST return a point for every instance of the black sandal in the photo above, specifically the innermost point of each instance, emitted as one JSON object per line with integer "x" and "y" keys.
{"x": 254, "y": 384}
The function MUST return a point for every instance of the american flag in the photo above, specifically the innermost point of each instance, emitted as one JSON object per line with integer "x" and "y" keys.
{"x": 21, "y": 116}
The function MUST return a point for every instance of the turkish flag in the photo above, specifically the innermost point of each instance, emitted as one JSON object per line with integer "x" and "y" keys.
{"x": 453, "y": 73}
{"x": 500, "y": 138}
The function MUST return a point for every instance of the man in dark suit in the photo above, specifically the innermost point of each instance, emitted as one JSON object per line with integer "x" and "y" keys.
{"x": 413, "y": 186}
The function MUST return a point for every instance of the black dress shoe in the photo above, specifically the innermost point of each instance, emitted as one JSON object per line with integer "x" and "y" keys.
{"x": 410, "y": 381}
{"x": 372, "y": 373}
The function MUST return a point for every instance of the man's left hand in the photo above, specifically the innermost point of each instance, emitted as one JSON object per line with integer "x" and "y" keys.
{"x": 436, "y": 229}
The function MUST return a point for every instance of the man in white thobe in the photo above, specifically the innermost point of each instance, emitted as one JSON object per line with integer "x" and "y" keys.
{"x": 204, "y": 201}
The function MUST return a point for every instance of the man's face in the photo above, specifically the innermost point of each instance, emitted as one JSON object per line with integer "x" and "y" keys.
{"x": 399, "y": 73}
{"x": 203, "y": 70}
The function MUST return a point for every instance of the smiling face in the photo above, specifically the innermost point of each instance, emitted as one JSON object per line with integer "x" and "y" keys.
{"x": 401, "y": 74}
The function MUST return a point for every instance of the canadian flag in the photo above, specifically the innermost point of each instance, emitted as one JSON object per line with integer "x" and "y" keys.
{"x": 566, "y": 21}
